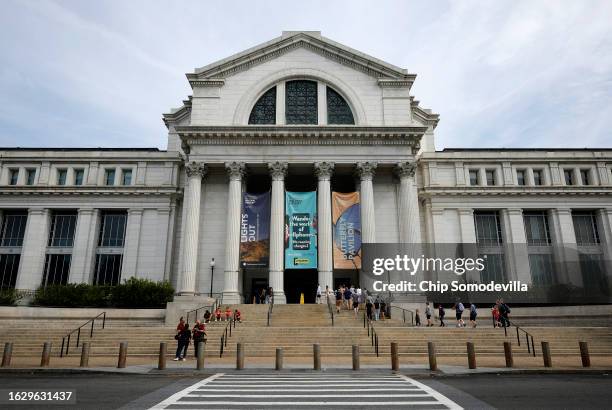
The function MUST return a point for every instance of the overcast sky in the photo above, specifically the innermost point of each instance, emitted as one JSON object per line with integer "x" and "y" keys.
{"x": 499, "y": 73}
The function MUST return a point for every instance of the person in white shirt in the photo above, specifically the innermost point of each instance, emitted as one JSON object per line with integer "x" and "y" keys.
{"x": 319, "y": 293}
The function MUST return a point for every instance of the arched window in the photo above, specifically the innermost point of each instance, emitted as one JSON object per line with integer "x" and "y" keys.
{"x": 338, "y": 111}
{"x": 264, "y": 111}
{"x": 301, "y": 102}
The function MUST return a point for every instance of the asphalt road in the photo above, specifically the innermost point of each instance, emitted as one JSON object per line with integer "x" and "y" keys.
{"x": 100, "y": 391}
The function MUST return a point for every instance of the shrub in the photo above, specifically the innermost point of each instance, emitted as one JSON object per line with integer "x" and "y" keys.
{"x": 134, "y": 293}
{"x": 8, "y": 297}
{"x": 142, "y": 293}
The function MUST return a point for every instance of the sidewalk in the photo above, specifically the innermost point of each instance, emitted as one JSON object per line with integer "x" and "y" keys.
{"x": 419, "y": 365}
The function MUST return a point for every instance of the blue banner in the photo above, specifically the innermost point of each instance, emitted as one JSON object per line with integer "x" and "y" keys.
{"x": 255, "y": 230}
{"x": 300, "y": 230}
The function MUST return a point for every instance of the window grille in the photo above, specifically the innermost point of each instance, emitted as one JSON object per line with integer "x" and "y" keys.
{"x": 13, "y": 228}
{"x": 264, "y": 110}
{"x": 108, "y": 269}
{"x": 62, "y": 229}
{"x": 338, "y": 111}
{"x": 30, "y": 176}
{"x": 301, "y": 102}
{"x": 61, "y": 176}
{"x": 109, "y": 177}
{"x": 78, "y": 176}
{"x": 57, "y": 269}
{"x": 9, "y": 266}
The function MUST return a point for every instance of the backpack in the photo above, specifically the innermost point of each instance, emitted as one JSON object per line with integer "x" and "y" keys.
{"x": 460, "y": 307}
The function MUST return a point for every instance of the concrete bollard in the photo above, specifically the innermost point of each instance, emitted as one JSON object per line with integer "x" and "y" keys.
{"x": 161, "y": 361}
{"x": 8, "y": 353}
{"x": 584, "y": 354}
{"x": 200, "y": 350}
{"x": 546, "y": 354}
{"x": 239, "y": 357}
{"x": 46, "y": 355}
{"x": 355, "y": 357}
{"x": 279, "y": 358}
{"x": 471, "y": 353}
{"x": 122, "y": 355}
{"x": 508, "y": 354}
{"x": 85, "y": 354}
{"x": 316, "y": 355}
{"x": 394, "y": 357}
{"x": 431, "y": 350}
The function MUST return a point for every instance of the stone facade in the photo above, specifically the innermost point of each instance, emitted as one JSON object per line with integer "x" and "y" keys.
{"x": 182, "y": 205}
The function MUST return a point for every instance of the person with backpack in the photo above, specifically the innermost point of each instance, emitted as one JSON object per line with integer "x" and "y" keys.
{"x": 473, "y": 314}
{"x": 377, "y": 308}
{"x": 348, "y": 297}
{"x": 504, "y": 312}
{"x": 428, "y": 314}
{"x": 183, "y": 339}
{"x": 441, "y": 314}
{"x": 459, "y": 308}
{"x": 338, "y": 299}
{"x": 369, "y": 307}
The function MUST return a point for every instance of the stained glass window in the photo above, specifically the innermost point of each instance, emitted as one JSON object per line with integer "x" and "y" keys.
{"x": 264, "y": 111}
{"x": 301, "y": 102}
{"x": 338, "y": 111}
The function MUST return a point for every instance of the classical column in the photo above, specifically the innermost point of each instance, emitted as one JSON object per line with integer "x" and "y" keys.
{"x": 129, "y": 266}
{"x": 278, "y": 170}
{"x": 515, "y": 243}
{"x": 33, "y": 249}
{"x": 410, "y": 220}
{"x": 85, "y": 241}
{"x": 195, "y": 172}
{"x": 235, "y": 171}
{"x": 365, "y": 170}
{"x": 324, "y": 170}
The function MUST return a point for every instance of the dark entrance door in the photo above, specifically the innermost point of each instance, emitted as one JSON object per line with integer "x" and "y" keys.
{"x": 299, "y": 281}
{"x": 257, "y": 284}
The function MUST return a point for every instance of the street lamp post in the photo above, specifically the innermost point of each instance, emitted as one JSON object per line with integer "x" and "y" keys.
{"x": 212, "y": 274}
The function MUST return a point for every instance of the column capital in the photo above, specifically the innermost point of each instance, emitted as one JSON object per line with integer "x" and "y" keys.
{"x": 366, "y": 170}
{"x": 278, "y": 170}
{"x": 513, "y": 211}
{"x": 405, "y": 169}
{"x": 194, "y": 169}
{"x": 561, "y": 211}
{"x": 86, "y": 211}
{"x": 324, "y": 170}
{"x": 235, "y": 170}
{"x": 465, "y": 211}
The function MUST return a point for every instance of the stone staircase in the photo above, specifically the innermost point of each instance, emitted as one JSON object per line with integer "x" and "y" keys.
{"x": 296, "y": 328}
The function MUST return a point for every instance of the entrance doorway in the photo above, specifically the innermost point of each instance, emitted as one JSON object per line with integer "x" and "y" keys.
{"x": 298, "y": 281}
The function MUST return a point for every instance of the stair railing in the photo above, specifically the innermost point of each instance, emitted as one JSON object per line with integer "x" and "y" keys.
{"x": 371, "y": 333}
{"x": 529, "y": 341}
{"x": 404, "y": 314}
{"x": 226, "y": 334}
{"x": 66, "y": 339}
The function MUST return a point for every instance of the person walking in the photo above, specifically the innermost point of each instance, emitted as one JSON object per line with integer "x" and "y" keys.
{"x": 348, "y": 297}
{"x": 428, "y": 314}
{"x": 383, "y": 310}
{"x": 183, "y": 342}
{"x": 327, "y": 294}
{"x": 459, "y": 308}
{"x": 318, "y": 295}
{"x": 473, "y": 314}
{"x": 339, "y": 297}
{"x": 377, "y": 308}
{"x": 369, "y": 307}
{"x": 441, "y": 314}
{"x": 504, "y": 313}
{"x": 417, "y": 318}
{"x": 356, "y": 304}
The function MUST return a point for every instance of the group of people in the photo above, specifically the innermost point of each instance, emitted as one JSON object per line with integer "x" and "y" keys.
{"x": 263, "y": 296}
{"x": 185, "y": 334}
{"x": 501, "y": 313}
{"x": 351, "y": 298}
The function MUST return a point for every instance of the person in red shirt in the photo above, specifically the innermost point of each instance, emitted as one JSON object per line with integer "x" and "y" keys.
{"x": 217, "y": 315}
{"x": 228, "y": 313}
{"x": 237, "y": 316}
{"x": 181, "y": 325}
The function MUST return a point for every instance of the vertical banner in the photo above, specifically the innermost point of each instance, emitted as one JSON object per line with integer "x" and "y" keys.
{"x": 300, "y": 230}
{"x": 255, "y": 230}
{"x": 346, "y": 219}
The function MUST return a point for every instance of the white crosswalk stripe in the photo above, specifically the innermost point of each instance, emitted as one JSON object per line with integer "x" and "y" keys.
{"x": 251, "y": 391}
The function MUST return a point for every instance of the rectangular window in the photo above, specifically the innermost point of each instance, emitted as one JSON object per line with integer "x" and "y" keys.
{"x": 536, "y": 228}
{"x": 63, "y": 225}
{"x": 9, "y": 266}
{"x": 542, "y": 268}
{"x": 584, "y": 176}
{"x": 112, "y": 229}
{"x": 567, "y": 174}
{"x": 537, "y": 177}
{"x": 61, "y": 176}
{"x": 13, "y": 176}
{"x": 13, "y": 228}
{"x": 57, "y": 269}
{"x": 585, "y": 227}
{"x": 30, "y": 176}
{"x": 473, "y": 177}
{"x": 108, "y": 269}
{"x": 126, "y": 176}
{"x": 78, "y": 176}
{"x": 520, "y": 176}
{"x": 109, "y": 177}
{"x": 490, "y": 177}
{"x": 488, "y": 228}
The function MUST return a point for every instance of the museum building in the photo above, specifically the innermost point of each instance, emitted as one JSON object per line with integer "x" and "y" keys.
{"x": 283, "y": 161}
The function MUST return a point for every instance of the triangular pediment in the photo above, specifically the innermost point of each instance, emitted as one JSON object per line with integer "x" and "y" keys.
{"x": 291, "y": 40}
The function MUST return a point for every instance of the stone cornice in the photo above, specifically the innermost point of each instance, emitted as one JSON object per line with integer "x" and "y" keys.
{"x": 516, "y": 191}
{"x": 208, "y": 82}
{"x": 393, "y": 83}
{"x": 327, "y": 48}
{"x": 301, "y": 135}
{"x": 90, "y": 191}
{"x": 423, "y": 115}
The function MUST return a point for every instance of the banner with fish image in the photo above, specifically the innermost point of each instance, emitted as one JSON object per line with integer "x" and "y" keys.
{"x": 346, "y": 220}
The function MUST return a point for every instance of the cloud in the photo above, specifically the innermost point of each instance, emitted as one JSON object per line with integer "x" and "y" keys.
{"x": 503, "y": 73}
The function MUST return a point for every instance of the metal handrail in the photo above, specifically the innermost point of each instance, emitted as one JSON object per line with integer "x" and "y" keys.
{"x": 66, "y": 339}
{"x": 211, "y": 307}
{"x": 528, "y": 336}
{"x": 404, "y": 313}
{"x": 371, "y": 333}
{"x": 224, "y": 335}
